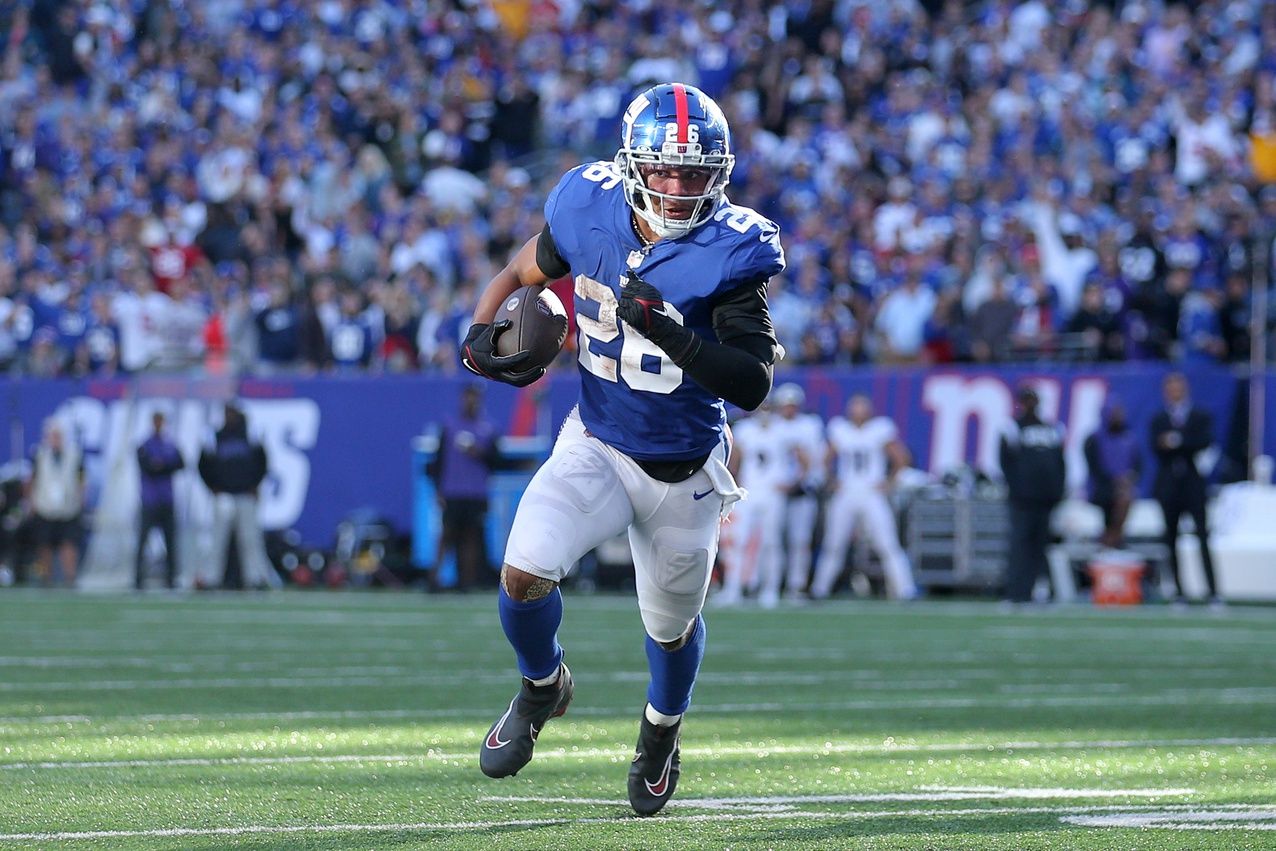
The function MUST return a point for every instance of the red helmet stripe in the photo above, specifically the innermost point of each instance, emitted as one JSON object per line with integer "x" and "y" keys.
{"x": 680, "y": 109}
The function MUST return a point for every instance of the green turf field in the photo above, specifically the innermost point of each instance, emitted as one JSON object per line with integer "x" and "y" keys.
{"x": 344, "y": 721}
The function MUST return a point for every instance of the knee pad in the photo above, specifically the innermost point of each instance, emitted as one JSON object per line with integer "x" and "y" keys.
{"x": 668, "y": 611}
{"x": 664, "y": 628}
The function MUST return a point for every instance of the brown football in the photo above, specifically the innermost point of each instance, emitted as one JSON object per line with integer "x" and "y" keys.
{"x": 540, "y": 325}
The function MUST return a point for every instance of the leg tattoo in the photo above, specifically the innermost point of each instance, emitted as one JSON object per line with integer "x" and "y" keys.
{"x": 524, "y": 587}
{"x": 538, "y": 589}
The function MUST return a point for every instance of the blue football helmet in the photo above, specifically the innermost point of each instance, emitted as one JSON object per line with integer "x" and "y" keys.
{"x": 676, "y": 125}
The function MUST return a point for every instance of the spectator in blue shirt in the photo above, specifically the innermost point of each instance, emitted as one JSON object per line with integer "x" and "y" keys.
{"x": 278, "y": 333}
{"x": 351, "y": 337}
{"x": 1200, "y": 330}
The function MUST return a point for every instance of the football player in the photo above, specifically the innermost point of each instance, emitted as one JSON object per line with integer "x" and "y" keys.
{"x": 670, "y": 297}
{"x": 754, "y": 530}
{"x": 867, "y": 452}
{"x": 799, "y": 442}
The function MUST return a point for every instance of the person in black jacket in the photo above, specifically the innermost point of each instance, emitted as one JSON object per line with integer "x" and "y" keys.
{"x": 1178, "y": 433}
{"x": 233, "y": 469}
{"x": 1033, "y": 466}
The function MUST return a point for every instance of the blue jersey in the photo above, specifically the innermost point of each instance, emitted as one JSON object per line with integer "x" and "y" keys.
{"x": 102, "y": 342}
{"x": 350, "y": 342}
{"x": 633, "y": 397}
{"x": 72, "y": 324}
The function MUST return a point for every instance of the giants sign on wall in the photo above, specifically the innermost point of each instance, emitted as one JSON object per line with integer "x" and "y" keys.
{"x": 337, "y": 444}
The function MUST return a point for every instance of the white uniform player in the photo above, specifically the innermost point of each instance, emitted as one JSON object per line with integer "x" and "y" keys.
{"x": 751, "y": 541}
{"x": 799, "y": 444}
{"x": 863, "y": 446}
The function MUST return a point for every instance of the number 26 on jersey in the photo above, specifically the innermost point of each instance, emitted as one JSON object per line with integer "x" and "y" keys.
{"x": 634, "y": 359}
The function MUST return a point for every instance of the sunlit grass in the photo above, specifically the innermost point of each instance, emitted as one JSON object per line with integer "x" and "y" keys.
{"x": 352, "y": 721}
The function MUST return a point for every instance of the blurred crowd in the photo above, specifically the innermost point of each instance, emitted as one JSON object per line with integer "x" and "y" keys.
{"x": 279, "y": 185}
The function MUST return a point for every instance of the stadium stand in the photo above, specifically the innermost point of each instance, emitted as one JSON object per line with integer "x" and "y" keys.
{"x": 275, "y": 185}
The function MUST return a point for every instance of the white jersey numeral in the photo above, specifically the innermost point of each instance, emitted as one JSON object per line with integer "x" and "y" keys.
{"x": 602, "y": 173}
{"x": 740, "y": 219}
{"x": 634, "y": 348}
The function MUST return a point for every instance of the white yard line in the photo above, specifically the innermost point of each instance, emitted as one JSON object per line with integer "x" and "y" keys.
{"x": 876, "y": 677}
{"x": 357, "y": 602}
{"x": 276, "y": 618}
{"x": 378, "y": 677}
{"x": 622, "y": 752}
{"x": 928, "y": 793}
{"x": 1062, "y": 659}
{"x": 62, "y": 640}
{"x": 1254, "y": 819}
{"x": 496, "y": 824}
{"x": 1141, "y": 633}
{"x": 229, "y": 666}
{"x": 998, "y": 793}
{"x": 257, "y": 830}
{"x": 1174, "y": 697}
{"x": 329, "y": 759}
{"x": 391, "y": 676}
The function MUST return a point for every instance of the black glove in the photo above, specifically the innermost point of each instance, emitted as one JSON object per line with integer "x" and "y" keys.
{"x": 642, "y": 307}
{"x": 478, "y": 355}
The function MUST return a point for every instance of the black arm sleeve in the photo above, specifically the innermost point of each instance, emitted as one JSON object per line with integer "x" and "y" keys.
{"x": 548, "y": 258}
{"x": 736, "y": 371}
{"x": 743, "y": 312}
{"x": 738, "y": 366}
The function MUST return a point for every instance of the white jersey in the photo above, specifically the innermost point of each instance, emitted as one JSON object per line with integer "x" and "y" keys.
{"x": 141, "y": 320}
{"x": 804, "y": 433}
{"x": 759, "y": 461}
{"x": 179, "y": 341}
{"x": 861, "y": 451}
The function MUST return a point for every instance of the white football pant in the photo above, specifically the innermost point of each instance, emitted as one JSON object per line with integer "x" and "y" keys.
{"x": 869, "y": 506}
{"x": 587, "y": 493}
{"x": 755, "y": 542}
{"x": 801, "y": 513}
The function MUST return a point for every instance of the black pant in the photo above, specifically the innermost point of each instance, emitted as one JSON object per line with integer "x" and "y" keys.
{"x": 464, "y": 522}
{"x": 1029, "y": 535}
{"x": 1173, "y": 508}
{"x": 158, "y": 517}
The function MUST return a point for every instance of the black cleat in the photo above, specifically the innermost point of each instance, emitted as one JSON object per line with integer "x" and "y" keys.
{"x": 508, "y": 746}
{"x": 653, "y": 775}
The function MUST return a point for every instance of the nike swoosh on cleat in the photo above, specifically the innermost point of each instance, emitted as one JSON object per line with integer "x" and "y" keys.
{"x": 701, "y": 495}
{"x": 661, "y": 786}
{"x": 493, "y": 739}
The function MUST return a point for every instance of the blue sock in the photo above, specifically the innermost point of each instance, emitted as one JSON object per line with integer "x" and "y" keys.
{"x": 532, "y": 630}
{"x": 673, "y": 675}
